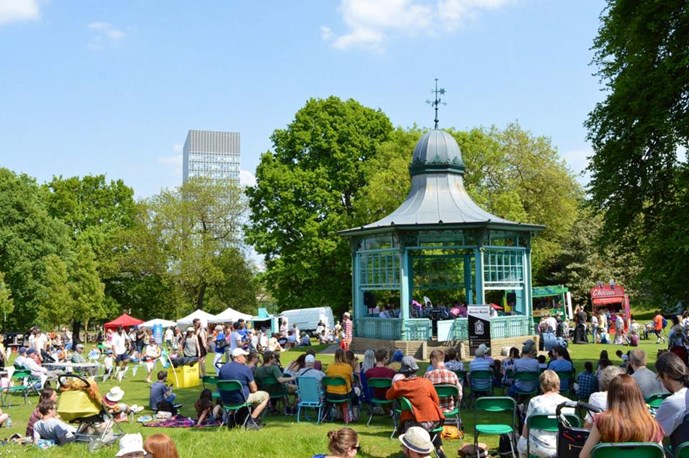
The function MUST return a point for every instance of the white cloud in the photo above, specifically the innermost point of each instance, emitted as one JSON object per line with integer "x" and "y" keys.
{"x": 371, "y": 24}
{"x": 104, "y": 34}
{"x": 173, "y": 163}
{"x": 18, "y": 11}
{"x": 246, "y": 178}
{"x": 178, "y": 148}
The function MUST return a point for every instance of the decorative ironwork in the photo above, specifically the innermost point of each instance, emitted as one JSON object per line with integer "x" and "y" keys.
{"x": 436, "y": 101}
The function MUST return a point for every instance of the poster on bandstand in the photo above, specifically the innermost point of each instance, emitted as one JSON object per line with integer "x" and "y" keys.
{"x": 479, "y": 326}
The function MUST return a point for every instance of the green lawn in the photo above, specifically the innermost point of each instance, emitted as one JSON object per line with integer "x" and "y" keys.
{"x": 282, "y": 436}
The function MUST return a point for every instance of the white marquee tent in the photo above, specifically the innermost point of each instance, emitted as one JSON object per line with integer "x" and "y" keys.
{"x": 160, "y": 321}
{"x": 205, "y": 318}
{"x": 230, "y": 314}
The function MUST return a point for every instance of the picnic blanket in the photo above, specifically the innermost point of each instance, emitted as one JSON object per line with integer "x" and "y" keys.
{"x": 177, "y": 421}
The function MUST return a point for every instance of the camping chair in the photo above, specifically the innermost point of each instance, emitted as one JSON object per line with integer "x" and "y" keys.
{"x": 208, "y": 380}
{"x": 309, "y": 395}
{"x": 276, "y": 390}
{"x": 450, "y": 391}
{"x": 529, "y": 377}
{"x": 380, "y": 383}
{"x": 682, "y": 451}
{"x": 476, "y": 378}
{"x": 628, "y": 450}
{"x": 569, "y": 377}
{"x": 405, "y": 404}
{"x": 24, "y": 384}
{"x": 655, "y": 400}
{"x": 333, "y": 399}
{"x": 495, "y": 404}
{"x": 232, "y": 386}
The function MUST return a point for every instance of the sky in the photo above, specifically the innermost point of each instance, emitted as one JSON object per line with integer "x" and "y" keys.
{"x": 112, "y": 87}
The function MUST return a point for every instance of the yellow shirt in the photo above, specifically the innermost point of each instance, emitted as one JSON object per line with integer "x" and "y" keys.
{"x": 343, "y": 370}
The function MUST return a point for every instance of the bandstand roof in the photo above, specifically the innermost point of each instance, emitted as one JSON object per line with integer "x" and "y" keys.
{"x": 437, "y": 196}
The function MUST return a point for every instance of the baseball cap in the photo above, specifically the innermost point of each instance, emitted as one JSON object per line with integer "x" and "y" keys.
{"x": 239, "y": 352}
{"x": 30, "y": 351}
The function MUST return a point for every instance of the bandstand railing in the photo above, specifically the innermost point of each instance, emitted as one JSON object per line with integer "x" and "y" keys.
{"x": 379, "y": 328}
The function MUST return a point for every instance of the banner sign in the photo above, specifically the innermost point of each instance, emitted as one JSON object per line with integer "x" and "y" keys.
{"x": 158, "y": 333}
{"x": 479, "y": 326}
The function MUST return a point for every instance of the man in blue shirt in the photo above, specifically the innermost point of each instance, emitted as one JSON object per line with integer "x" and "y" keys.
{"x": 560, "y": 365}
{"x": 237, "y": 370}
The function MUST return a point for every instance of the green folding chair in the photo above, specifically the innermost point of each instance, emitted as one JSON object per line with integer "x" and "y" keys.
{"x": 682, "y": 451}
{"x": 333, "y": 399}
{"x": 655, "y": 400}
{"x": 479, "y": 378}
{"x": 210, "y": 382}
{"x": 233, "y": 386}
{"x": 495, "y": 405}
{"x": 541, "y": 422}
{"x": 405, "y": 405}
{"x": 569, "y": 377}
{"x": 628, "y": 450}
{"x": 530, "y": 378}
{"x": 23, "y": 384}
{"x": 381, "y": 384}
{"x": 450, "y": 392}
{"x": 275, "y": 389}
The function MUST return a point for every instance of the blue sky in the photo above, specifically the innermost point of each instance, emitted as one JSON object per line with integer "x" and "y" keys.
{"x": 106, "y": 86}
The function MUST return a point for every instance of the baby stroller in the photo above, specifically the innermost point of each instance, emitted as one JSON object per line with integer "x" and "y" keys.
{"x": 81, "y": 403}
{"x": 571, "y": 438}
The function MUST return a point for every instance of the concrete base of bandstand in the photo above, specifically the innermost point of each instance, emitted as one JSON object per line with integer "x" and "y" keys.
{"x": 421, "y": 349}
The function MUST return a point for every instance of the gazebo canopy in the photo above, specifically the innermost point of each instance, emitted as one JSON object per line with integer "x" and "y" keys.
{"x": 123, "y": 320}
{"x": 160, "y": 321}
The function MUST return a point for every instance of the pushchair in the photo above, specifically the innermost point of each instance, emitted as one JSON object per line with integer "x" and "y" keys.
{"x": 80, "y": 402}
{"x": 571, "y": 438}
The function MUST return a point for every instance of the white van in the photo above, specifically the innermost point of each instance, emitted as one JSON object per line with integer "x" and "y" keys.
{"x": 307, "y": 319}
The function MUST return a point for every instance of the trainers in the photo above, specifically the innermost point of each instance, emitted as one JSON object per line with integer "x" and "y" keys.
{"x": 136, "y": 408}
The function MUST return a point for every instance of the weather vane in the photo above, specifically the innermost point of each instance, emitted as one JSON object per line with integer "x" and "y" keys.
{"x": 437, "y": 101}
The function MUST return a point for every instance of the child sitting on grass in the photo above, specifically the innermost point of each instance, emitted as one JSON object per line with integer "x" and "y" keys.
{"x": 207, "y": 412}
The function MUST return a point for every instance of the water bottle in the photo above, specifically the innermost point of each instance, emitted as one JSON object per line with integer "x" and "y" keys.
{"x": 9, "y": 422}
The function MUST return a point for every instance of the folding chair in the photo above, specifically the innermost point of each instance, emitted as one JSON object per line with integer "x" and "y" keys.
{"x": 233, "y": 386}
{"x": 405, "y": 404}
{"x": 381, "y": 384}
{"x": 655, "y": 400}
{"x": 24, "y": 384}
{"x": 682, "y": 451}
{"x": 528, "y": 377}
{"x": 208, "y": 380}
{"x": 542, "y": 422}
{"x": 495, "y": 405}
{"x": 309, "y": 395}
{"x": 333, "y": 399}
{"x": 477, "y": 380}
{"x": 450, "y": 391}
{"x": 628, "y": 450}
{"x": 569, "y": 377}
{"x": 276, "y": 390}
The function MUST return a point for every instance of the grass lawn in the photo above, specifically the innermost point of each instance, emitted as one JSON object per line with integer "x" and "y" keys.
{"x": 281, "y": 436}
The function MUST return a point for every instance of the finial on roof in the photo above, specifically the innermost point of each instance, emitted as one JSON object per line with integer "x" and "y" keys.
{"x": 436, "y": 101}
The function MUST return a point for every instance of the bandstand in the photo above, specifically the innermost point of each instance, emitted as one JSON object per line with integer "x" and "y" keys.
{"x": 440, "y": 239}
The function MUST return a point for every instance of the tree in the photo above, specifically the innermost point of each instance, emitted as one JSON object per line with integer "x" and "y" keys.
{"x": 642, "y": 52}
{"x": 6, "y": 302}
{"x": 27, "y": 235}
{"x": 195, "y": 225}
{"x": 307, "y": 189}
{"x": 55, "y": 298}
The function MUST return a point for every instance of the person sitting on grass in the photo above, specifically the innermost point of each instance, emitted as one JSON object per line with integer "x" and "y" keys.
{"x": 161, "y": 395}
{"x": 50, "y": 428}
{"x": 627, "y": 418}
{"x": 160, "y": 446}
{"x": 237, "y": 370}
{"x": 207, "y": 412}
{"x": 343, "y": 443}
{"x": 131, "y": 446}
{"x": 48, "y": 395}
{"x": 119, "y": 410}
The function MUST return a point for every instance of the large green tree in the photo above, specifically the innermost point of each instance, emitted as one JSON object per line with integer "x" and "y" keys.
{"x": 306, "y": 190}
{"x": 198, "y": 227}
{"x": 27, "y": 235}
{"x": 642, "y": 54}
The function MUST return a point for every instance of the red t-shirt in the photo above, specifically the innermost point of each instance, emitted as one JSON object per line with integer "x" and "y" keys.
{"x": 658, "y": 320}
{"x": 379, "y": 372}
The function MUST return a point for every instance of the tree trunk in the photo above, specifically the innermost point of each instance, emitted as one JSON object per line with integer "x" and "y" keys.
{"x": 76, "y": 329}
{"x": 199, "y": 300}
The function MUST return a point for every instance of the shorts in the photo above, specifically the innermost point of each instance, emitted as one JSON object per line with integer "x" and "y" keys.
{"x": 123, "y": 358}
{"x": 257, "y": 397}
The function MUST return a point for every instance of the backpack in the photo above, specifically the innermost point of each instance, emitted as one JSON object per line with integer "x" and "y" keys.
{"x": 664, "y": 322}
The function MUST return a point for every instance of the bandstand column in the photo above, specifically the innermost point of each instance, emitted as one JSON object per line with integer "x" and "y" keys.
{"x": 478, "y": 256}
{"x": 405, "y": 283}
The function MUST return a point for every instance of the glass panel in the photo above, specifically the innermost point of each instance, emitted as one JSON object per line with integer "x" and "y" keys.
{"x": 379, "y": 270}
{"x": 503, "y": 268}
